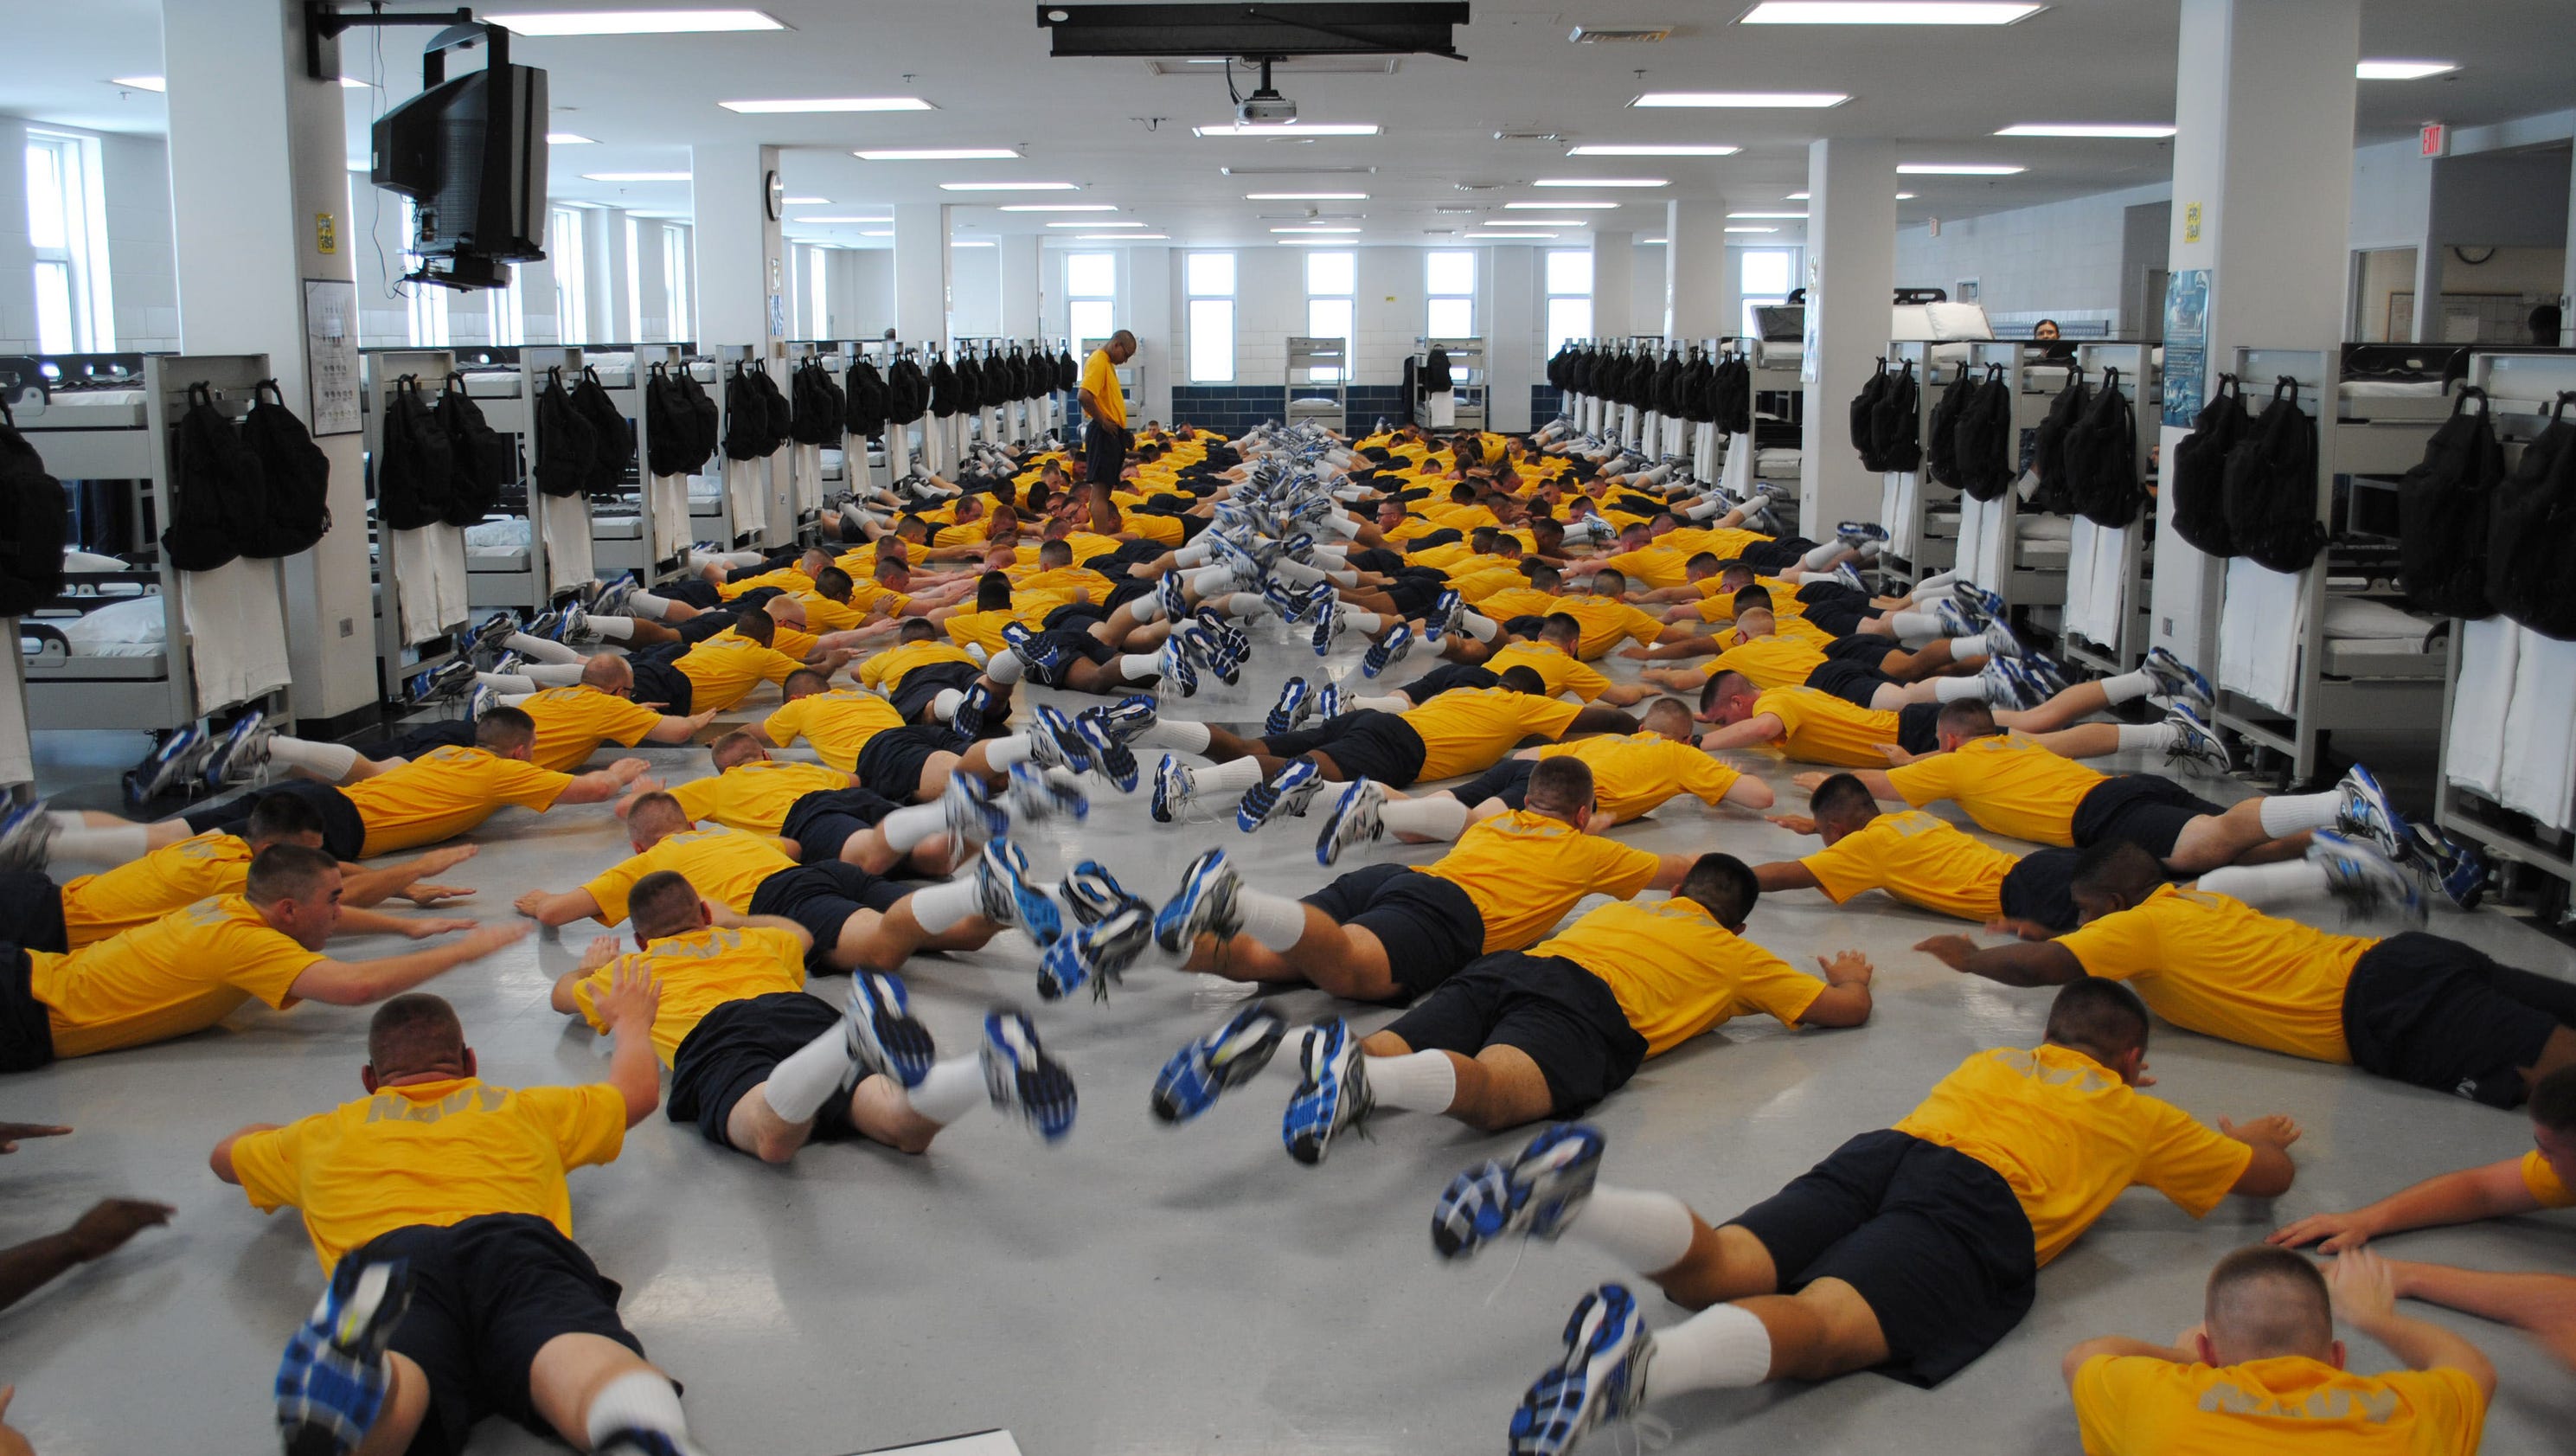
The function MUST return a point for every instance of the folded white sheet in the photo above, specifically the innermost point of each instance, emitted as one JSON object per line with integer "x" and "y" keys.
{"x": 236, "y": 618}
{"x": 2539, "y": 776}
{"x": 2261, "y": 627}
{"x": 2474, "y": 754}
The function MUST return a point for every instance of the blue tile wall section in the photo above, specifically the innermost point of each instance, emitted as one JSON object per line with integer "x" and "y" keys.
{"x": 1544, "y": 404}
{"x": 1231, "y": 409}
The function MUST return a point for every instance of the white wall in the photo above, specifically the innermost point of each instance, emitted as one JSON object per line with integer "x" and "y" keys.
{"x": 142, "y": 265}
{"x": 2061, "y": 260}
{"x": 974, "y": 292}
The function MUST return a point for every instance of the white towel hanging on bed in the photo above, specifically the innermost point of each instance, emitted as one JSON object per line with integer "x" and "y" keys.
{"x": 2474, "y": 756}
{"x": 569, "y": 550}
{"x": 669, "y": 495}
{"x": 429, "y": 580}
{"x": 1737, "y": 476}
{"x": 805, "y": 477}
{"x": 2097, "y": 581}
{"x": 17, "y": 760}
{"x": 236, "y": 621}
{"x": 1985, "y": 557}
{"x": 746, "y": 484}
{"x": 2539, "y": 773}
{"x": 1896, "y": 492}
{"x": 2261, "y": 628}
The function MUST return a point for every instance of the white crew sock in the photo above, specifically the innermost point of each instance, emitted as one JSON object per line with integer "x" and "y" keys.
{"x": 1963, "y": 649}
{"x": 2288, "y": 882}
{"x": 518, "y": 684}
{"x": 1295, "y": 572}
{"x": 553, "y": 674}
{"x": 328, "y": 761}
{"x": 1275, "y": 921}
{"x": 1915, "y": 628}
{"x": 1140, "y": 666}
{"x": 1340, "y": 523}
{"x": 910, "y": 825}
{"x": 1415, "y": 1082}
{"x": 1177, "y": 735}
{"x": 116, "y": 845}
{"x": 1436, "y": 817}
{"x": 943, "y": 704}
{"x": 809, "y": 1077}
{"x": 1369, "y": 622}
{"x": 1002, "y": 753}
{"x": 2128, "y": 687}
{"x": 1958, "y": 689}
{"x": 1005, "y": 668}
{"x": 1483, "y": 629}
{"x": 1337, "y": 555}
{"x": 1241, "y": 604}
{"x": 2287, "y": 814}
{"x": 1722, "y": 1348}
{"x": 646, "y": 604}
{"x": 949, "y": 1090}
{"x": 1213, "y": 580}
{"x": 621, "y": 629}
{"x": 1703, "y": 509}
{"x": 539, "y": 649}
{"x": 2153, "y": 737}
{"x": 1939, "y": 581}
{"x": 1147, "y": 608}
{"x": 1383, "y": 703}
{"x": 1235, "y": 775}
{"x": 1823, "y": 557}
{"x": 1194, "y": 555}
{"x": 641, "y": 1401}
{"x": 942, "y": 908}
{"x": 1648, "y": 1232}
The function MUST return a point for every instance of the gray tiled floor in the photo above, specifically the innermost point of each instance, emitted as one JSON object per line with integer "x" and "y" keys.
{"x": 1141, "y": 1289}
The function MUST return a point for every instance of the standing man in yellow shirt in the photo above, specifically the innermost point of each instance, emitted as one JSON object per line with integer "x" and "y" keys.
{"x": 1546, "y": 1032}
{"x": 1911, "y": 1250}
{"x": 2263, "y": 1372}
{"x": 438, "y": 1206}
{"x": 1104, "y": 410}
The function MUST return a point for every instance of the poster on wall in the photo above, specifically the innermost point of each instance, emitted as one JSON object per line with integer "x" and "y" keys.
{"x": 331, "y": 354}
{"x": 2186, "y": 344}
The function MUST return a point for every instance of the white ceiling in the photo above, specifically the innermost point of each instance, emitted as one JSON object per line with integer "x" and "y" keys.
{"x": 1123, "y": 132}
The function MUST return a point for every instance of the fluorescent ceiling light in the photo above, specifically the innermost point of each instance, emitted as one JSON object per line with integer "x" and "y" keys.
{"x": 1057, "y": 207}
{"x": 828, "y": 103}
{"x": 635, "y": 176}
{"x": 1601, "y": 182}
{"x": 1555, "y": 206}
{"x": 1491, "y": 237}
{"x": 1622, "y": 149}
{"x": 839, "y": 219}
{"x": 2088, "y": 129}
{"x": 2402, "y": 70}
{"x": 1801, "y": 197}
{"x": 1315, "y": 230}
{"x": 940, "y": 154}
{"x": 568, "y": 139}
{"x": 633, "y": 22}
{"x": 1766, "y": 214}
{"x": 1886, "y": 12}
{"x": 1009, "y": 187}
{"x": 1957, "y": 169}
{"x": 1652, "y": 242}
{"x": 1121, "y": 237}
{"x": 808, "y": 202}
{"x": 1288, "y": 129}
{"x": 1542, "y": 222}
{"x": 1753, "y": 230}
{"x": 1314, "y": 242}
{"x": 1094, "y": 223}
{"x": 352, "y": 83}
{"x": 140, "y": 83}
{"x": 970, "y": 242}
{"x": 1305, "y": 197}
{"x": 1905, "y": 197}
{"x": 880, "y": 233}
{"x": 1747, "y": 99}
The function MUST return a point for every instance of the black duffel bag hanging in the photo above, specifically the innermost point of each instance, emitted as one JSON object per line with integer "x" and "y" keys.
{"x": 298, "y": 476}
{"x": 481, "y": 459}
{"x": 1896, "y": 422}
{"x": 415, "y": 462}
{"x": 2102, "y": 459}
{"x": 746, "y": 417}
{"x": 1941, "y": 449}
{"x": 864, "y": 413}
{"x": 2198, "y": 479}
{"x": 565, "y": 444}
{"x": 706, "y": 420}
{"x": 215, "y": 481}
{"x": 2272, "y": 485}
{"x": 1730, "y": 392}
{"x": 35, "y": 522}
{"x": 1988, "y": 447}
{"x": 612, "y": 437}
{"x": 2048, "y": 445}
{"x": 671, "y": 426}
{"x": 2445, "y": 506}
{"x": 2533, "y": 530}
{"x": 1864, "y": 408}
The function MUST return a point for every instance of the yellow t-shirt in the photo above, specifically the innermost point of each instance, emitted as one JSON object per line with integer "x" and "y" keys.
{"x": 181, "y": 973}
{"x": 1634, "y": 773}
{"x": 724, "y": 669}
{"x": 444, "y": 793}
{"x": 1441, "y": 557}
{"x": 1467, "y": 729}
{"x": 1481, "y": 588}
{"x": 2069, "y": 1136}
{"x": 701, "y": 971}
{"x": 984, "y": 629}
{"x": 2544, "y": 1182}
{"x": 2008, "y": 784}
{"x": 572, "y": 722}
{"x": 2137, "y": 1405}
{"x": 1919, "y": 859}
{"x": 1677, "y": 972}
{"x": 1817, "y": 727}
{"x": 1777, "y": 661}
{"x": 1726, "y": 543}
{"x": 1657, "y": 566}
{"x": 756, "y": 795}
{"x": 866, "y": 594}
{"x": 723, "y": 864}
{"x": 1100, "y": 381}
{"x": 141, "y": 891}
{"x": 1525, "y": 870}
{"x": 2222, "y": 968}
{"x": 1064, "y": 581}
{"x": 825, "y": 614}
{"x": 430, "y": 1153}
{"x": 1606, "y": 623}
{"x": 788, "y": 578}
{"x": 1562, "y": 674}
{"x": 1523, "y": 600}
{"x": 886, "y": 670}
{"x": 838, "y": 723}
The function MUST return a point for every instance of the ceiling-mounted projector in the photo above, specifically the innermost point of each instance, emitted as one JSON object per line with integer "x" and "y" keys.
{"x": 1265, "y": 105}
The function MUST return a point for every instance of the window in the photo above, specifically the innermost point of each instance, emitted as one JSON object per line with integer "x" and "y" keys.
{"x": 572, "y": 297}
{"x": 1091, "y": 291}
{"x": 1208, "y": 280}
{"x": 1768, "y": 274}
{"x": 1569, "y": 296}
{"x": 634, "y": 281}
{"x": 67, "y": 226}
{"x": 1450, "y": 279}
{"x": 509, "y": 321}
{"x": 1331, "y": 281}
{"x": 427, "y": 327}
{"x": 681, "y": 325}
{"x": 818, "y": 301}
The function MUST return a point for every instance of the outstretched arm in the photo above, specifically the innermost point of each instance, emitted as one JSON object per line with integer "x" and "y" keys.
{"x": 679, "y": 730}
{"x": 602, "y": 785}
{"x": 1878, "y": 784}
{"x": 103, "y": 1230}
{"x": 2364, "y": 1288}
{"x": 2021, "y": 964}
{"x": 361, "y": 886}
{"x": 2493, "y": 1191}
{"x": 1599, "y": 719}
{"x": 359, "y": 983}
{"x": 2543, "y": 1305}
{"x": 551, "y": 908}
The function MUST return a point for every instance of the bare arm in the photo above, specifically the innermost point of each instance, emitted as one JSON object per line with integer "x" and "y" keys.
{"x": 361, "y": 886}
{"x": 2543, "y": 1305}
{"x": 376, "y": 922}
{"x": 1878, "y": 784}
{"x": 1759, "y": 729}
{"x": 1624, "y": 695}
{"x": 1749, "y": 793}
{"x": 2023, "y": 964}
{"x": 563, "y": 907}
{"x": 2364, "y": 1288}
{"x": 600, "y": 951}
{"x": 28, "y": 1267}
{"x": 1845, "y": 1001}
{"x": 634, "y": 1069}
{"x": 1672, "y": 645}
{"x": 2271, "y": 1172}
{"x": 221, "y": 1159}
{"x": 1669, "y": 870}
{"x": 358, "y": 983}
{"x": 679, "y": 730}
{"x": 1599, "y": 720}
{"x": 1785, "y": 874}
{"x": 602, "y": 785}
{"x": 2493, "y": 1191}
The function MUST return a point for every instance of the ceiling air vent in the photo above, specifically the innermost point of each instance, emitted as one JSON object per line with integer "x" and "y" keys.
{"x": 1620, "y": 35}
{"x": 1480, "y": 186}
{"x": 1529, "y": 136}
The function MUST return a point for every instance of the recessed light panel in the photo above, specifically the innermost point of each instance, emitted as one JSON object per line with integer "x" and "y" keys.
{"x": 1601, "y": 182}
{"x": 1556, "y": 206}
{"x": 795, "y": 106}
{"x": 633, "y": 22}
{"x": 1958, "y": 169}
{"x": 940, "y": 154}
{"x": 1305, "y": 197}
{"x": 635, "y": 176}
{"x": 1886, "y": 12}
{"x": 2088, "y": 129}
{"x": 2402, "y": 70}
{"x": 1648, "y": 149}
{"x": 1751, "y": 100}
{"x": 1009, "y": 187}
{"x": 1289, "y": 129}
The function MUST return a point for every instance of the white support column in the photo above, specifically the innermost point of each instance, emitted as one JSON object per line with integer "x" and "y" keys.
{"x": 1614, "y": 264}
{"x": 1851, "y": 283}
{"x": 604, "y": 239}
{"x": 1151, "y": 282}
{"x": 2567, "y": 304}
{"x": 259, "y": 183}
{"x": 921, "y": 273}
{"x": 2262, "y": 194}
{"x": 1700, "y": 302}
{"x": 1021, "y": 291}
{"x": 741, "y": 251}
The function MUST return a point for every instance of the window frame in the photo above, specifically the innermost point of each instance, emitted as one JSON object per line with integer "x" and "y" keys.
{"x": 1081, "y": 303}
{"x": 1349, "y": 335}
{"x": 1557, "y": 305}
{"x": 565, "y": 250}
{"x": 1208, "y": 318}
{"x": 1751, "y": 300}
{"x": 79, "y": 262}
{"x": 679, "y": 323}
{"x": 1432, "y": 298}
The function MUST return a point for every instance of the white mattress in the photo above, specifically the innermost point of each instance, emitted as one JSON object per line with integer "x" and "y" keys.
{"x": 616, "y": 528}
{"x": 2390, "y": 389}
{"x": 496, "y": 560}
{"x": 130, "y": 634}
{"x": 1778, "y": 460}
{"x": 2372, "y": 639}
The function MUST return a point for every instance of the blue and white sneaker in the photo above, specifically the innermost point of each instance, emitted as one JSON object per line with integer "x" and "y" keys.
{"x": 1049, "y": 725}
{"x": 1335, "y": 1094}
{"x": 26, "y": 836}
{"x": 1444, "y": 616}
{"x": 1174, "y": 660}
{"x": 1602, "y": 1377}
{"x": 1109, "y": 756}
{"x": 1290, "y": 606}
{"x": 2045, "y": 671}
{"x": 2367, "y": 813}
{"x": 332, "y": 1382}
{"x": 2000, "y": 641}
{"x": 505, "y": 665}
{"x": 881, "y": 1032}
{"x": 1846, "y": 576}
{"x": 1388, "y": 649}
{"x": 181, "y": 756}
{"x": 971, "y": 818}
{"x": 2007, "y": 685}
{"x": 1098, "y": 953}
{"x": 1040, "y": 658}
{"x": 2194, "y": 742}
{"x": 1981, "y": 604}
{"x": 2178, "y": 680}
{"x": 446, "y": 680}
{"x": 493, "y": 631}
{"x": 1034, "y": 796}
{"x": 612, "y": 598}
{"x": 1956, "y": 620}
{"x": 1328, "y": 702}
{"x": 1233, "y": 639}
{"x": 1169, "y": 591}
{"x": 1004, "y": 895}
{"x": 1174, "y": 788}
{"x": 635, "y": 1441}
{"x": 242, "y": 752}
{"x": 1354, "y": 820}
{"x": 1329, "y": 623}
{"x": 1204, "y": 904}
{"x": 1534, "y": 1195}
{"x": 1129, "y": 716}
{"x": 1287, "y": 792}
{"x": 967, "y": 723}
{"x": 480, "y": 703}
{"x": 1291, "y": 709}
{"x": 1209, "y": 1066}
{"x": 2457, "y": 868}
{"x": 1022, "y": 1078}
{"x": 1205, "y": 649}
{"x": 2364, "y": 879}
{"x": 571, "y": 624}
{"x": 1855, "y": 532}
{"x": 1093, "y": 894}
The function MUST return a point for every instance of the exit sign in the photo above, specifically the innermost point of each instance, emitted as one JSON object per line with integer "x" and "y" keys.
{"x": 2434, "y": 140}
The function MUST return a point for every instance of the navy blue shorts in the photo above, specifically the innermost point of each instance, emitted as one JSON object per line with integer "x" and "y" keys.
{"x": 31, "y": 912}
{"x": 2434, "y": 1012}
{"x": 1918, "y": 727}
{"x": 2147, "y": 810}
{"x": 822, "y": 897}
{"x": 343, "y": 832}
{"x": 1446, "y": 676}
{"x": 659, "y": 682}
{"x": 823, "y": 821}
{"x": 1562, "y": 1015}
{"x": 1507, "y": 781}
{"x": 1852, "y": 682}
{"x": 1362, "y": 744}
{"x": 1869, "y": 652}
{"x": 891, "y": 761}
{"x": 735, "y": 1047}
{"x": 1429, "y": 926}
{"x": 912, "y": 696}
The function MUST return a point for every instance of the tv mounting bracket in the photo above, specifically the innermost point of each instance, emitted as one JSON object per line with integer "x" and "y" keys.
{"x": 324, "y": 21}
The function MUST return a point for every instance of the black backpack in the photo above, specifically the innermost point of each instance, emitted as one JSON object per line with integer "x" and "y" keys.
{"x": 2444, "y": 507}
{"x": 35, "y": 522}
{"x": 702, "y": 409}
{"x": 612, "y": 436}
{"x": 907, "y": 392}
{"x": 864, "y": 413}
{"x": 970, "y": 386}
{"x": 671, "y": 425}
{"x": 1697, "y": 405}
{"x": 566, "y": 445}
{"x": 782, "y": 414}
{"x": 2200, "y": 469}
{"x": 481, "y": 459}
{"x": 1067, "y": 373}
{"x": 216, "y": 480}
{"x": 2532, "y": 529}
{"x": 298, "y": 475}
{"x": 746, "y": 417}
{"x": 2102, "y": 459}
{"x": 1864, "y": 417}
{"x": 1896, "y": 422}
{"x": 942, "y": 379}
{"x": 817, "y": 402}
{"x": 1986, "y": 448}
{"x": 415, "y": 462}
{"x": 2048, "y": 447}
{"x": 1730, "y": 395}
{"x": 2272, "y": 485}
{"x": 1941, "y": 450}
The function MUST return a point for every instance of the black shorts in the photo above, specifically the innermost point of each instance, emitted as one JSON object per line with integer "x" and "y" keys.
{"x": 703, "y": 626}
{"x": 660, "y": 682}
{"x": 1071, "y": 645}
{"x": 822, "y": 821}
{"x": 1449, "y": 675}
{"x": 1852, "y": 682}
{"x": 26, "y": 1024}
{"x": 694, "y": 591}
{"x": 1770, "y": 558}
{"x": 1918, "y": 727}
{"x": 2440, "y": 1014}
{"x": 1429, "y": 927}
{"x": 1507, "y": 781}
{"x": 1104, "y": 451}
{"x": 1127, "y": 590}
{"x": 759, "y": 596}
{"x": 891, "y": 761}
{"x": 1865, "y": 650}
{"x": 822, "y": 897}
{"x": 1074, "y": 617}
{"x": 1932, "y": 1239}
{"x": 1374, "y": 558}
{"x": 2147, "y": 810}
{"x": 420, "y": 738}
{"x": 344, "y": 834}
{"x": 1815, "y": 594}
{"x": 911, "y": 697}
{"x": 1363, "y": 744}
{"x": 487, "y": 1294}
{"x": 1843, "y": 619}
{"x": 1415, "y": 595}
{"x": 1445, "y": 536}
{"x": 1561, "y": 1014}
{"x": 735, "y": 1047}
{"x": 2041, "y": 888}
{"x": 1129, "y": 554}
{"x": 31, "y": 912}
